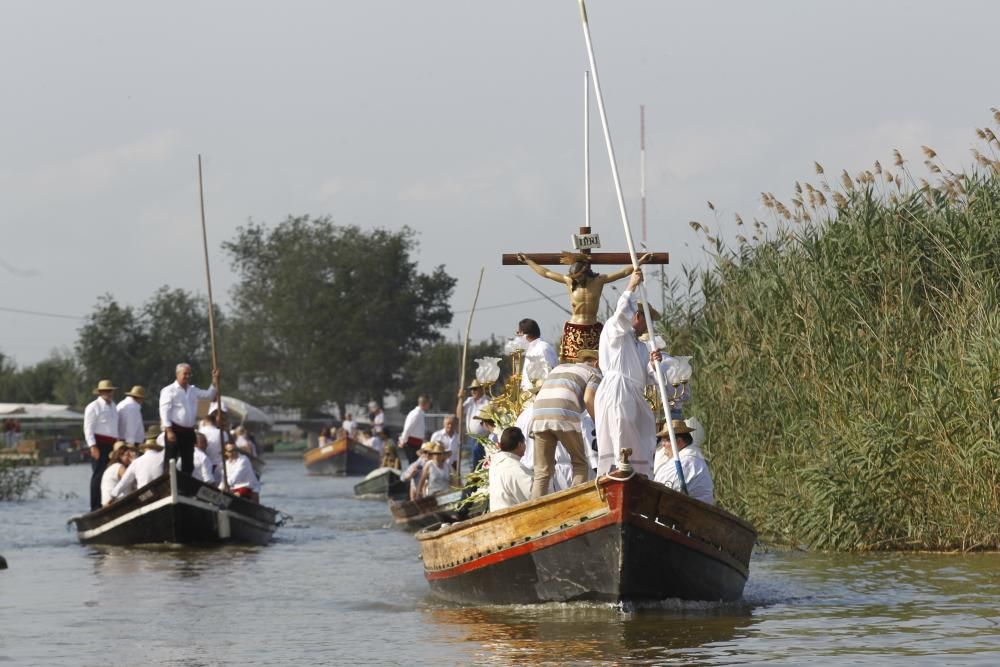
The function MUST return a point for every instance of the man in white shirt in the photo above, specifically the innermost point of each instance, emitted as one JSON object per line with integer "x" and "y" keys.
{"x": 537, "y": 347}
{"x": 448, "y": 436}
{"x": 471, "y": 407}
{"x": 697, "y": 476}
{"x": 349, "y": 426}
{"x": 179, "y": 412}
{"x": 202, "y": 464}
{"x": 239, "y": 473}
{"x": 142, "y": 471}
{"x": 622, "y": 415}
{"x": 130, "y": 428}
{"x": 215, "y": 434}
{"x": 510, "y": 482}
{"x": 414, "y": 471}
{"x": 100, "y": 430}
{"x": 414, "y": 429}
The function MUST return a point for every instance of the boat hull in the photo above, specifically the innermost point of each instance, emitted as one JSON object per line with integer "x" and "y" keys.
{"x": 178, "y": 509}
{"x": 416, "y": 514}
{"x": 343, "y": 457}
{"x": 615, "y": 541}
{"x": 384, "y": 485}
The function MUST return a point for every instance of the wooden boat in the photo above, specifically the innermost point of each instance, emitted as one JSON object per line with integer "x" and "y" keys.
{"x": 618, "y": 539}
{"x": 382, "y": 483}
{"x": 178, "y": 508}
{"x": 343, "y": 457}
{"x": 427, "y": 511}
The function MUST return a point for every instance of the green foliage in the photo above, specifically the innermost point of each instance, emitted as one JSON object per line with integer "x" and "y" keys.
{"x": 326, "y": 313}
{"x": 144, "y": 346}
{"x": 16, "y": 479}
{"x": 848, "y": 364}
{"x": 53, "y": 380}
{"x": 434, "y": 371}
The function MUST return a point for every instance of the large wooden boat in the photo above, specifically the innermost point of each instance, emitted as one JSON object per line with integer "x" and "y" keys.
{"x": 620, "y": 538}
{"x": 177, "y": 508}
{"x": 382, "y": 483}
{"x": 427, "y": 511}
{"x": 342, "y": 457}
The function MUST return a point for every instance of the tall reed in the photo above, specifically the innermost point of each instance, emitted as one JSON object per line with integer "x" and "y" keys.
{"x": 848, "y": 359}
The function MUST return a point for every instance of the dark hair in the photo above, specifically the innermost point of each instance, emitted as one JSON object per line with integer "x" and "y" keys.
{"x": 581, "y": 267}
{"x": 511, "y": 438}
{"x": 686, "y": 437}
{"x": 529, "y": 327}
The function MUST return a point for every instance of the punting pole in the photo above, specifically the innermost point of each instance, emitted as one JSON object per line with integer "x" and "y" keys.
{"x": 642, "y": 167}
{"x": 661, "y": 385}
{"x": 211, "y": 320}
{"x": 459, "y": 411}
{"x": 586, "y": 149}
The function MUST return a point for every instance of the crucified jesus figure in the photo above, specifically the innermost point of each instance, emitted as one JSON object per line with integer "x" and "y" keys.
{"x": 582, "y": 331}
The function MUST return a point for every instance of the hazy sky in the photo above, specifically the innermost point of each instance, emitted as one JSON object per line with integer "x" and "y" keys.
{"x": 460, "y": 118}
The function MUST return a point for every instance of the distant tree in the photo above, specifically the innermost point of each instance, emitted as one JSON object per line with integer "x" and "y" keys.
{"x": 56, "y": 379}
{"x": 435, "y": 372}
{"x": 143, "y": 347}
{"x": 328, "y": 313}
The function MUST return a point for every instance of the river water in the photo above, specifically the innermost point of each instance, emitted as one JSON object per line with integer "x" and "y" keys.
{"x": 341, "y": 586}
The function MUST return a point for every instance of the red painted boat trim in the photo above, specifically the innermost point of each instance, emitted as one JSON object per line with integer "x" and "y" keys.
{"x": 613, "y": 494}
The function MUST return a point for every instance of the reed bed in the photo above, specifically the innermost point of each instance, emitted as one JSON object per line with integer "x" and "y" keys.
{"x": 848, "y": 358}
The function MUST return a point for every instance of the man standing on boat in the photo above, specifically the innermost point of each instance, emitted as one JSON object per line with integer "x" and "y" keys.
{"x": 100, "y": 430}
{"x": 622, "y": 415}
{"x": 537, "y": 347}
{"x": 130, "y": 428}
{"x": 448, "y": 436}
{"x": 178, "y": 414}
{"x": 565, "y": 393}
{"x": 414, "y": 428}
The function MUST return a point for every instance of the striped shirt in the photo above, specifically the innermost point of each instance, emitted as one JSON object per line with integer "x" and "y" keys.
{"x": 560, "y": 400}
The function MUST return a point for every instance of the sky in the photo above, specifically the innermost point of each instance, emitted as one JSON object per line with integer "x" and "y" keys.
{"x": 459, "y": 118}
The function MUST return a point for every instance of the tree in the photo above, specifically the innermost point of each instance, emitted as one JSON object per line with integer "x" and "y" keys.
{"x": 435, "y": 372}
{"x": 328, "y": 313}
{"x": 53, "y": 380}
{"x": 144, "y": 347}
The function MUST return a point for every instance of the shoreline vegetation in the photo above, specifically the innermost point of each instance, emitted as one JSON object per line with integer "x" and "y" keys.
{"x": 848, "y": 358}
{"x": 17, "y": 479}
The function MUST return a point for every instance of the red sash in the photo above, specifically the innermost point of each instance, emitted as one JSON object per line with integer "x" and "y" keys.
{"x": 105, "y": 439}
{"x": 414, "y": 442}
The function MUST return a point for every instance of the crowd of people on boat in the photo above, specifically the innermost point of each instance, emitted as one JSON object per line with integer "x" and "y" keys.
{"x": 573, "y": 425}
{"x": 126, "y": 456}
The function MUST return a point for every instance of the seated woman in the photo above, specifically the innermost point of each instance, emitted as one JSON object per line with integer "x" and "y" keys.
{"x": 414, "y": 472}
{"x": 240, "y": 475}
{"x": 436, "y": 475}
{"x": 119, "y": 459}
{"x": 324, "y": 437}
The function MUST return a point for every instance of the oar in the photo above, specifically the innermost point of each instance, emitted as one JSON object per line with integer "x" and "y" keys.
{"x": 211, "y": 321}
{"x": 661, "y": 385}
{"x": 461, "y": 377}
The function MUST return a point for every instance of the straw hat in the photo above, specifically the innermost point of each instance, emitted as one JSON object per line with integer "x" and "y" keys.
{"x": 104, "y": 385}
{"x": 653, "y": 312}
{"x": 680, "y": 426}
{"x": 426, "y": 447}
{"x": 137, "y": 392}
{"x": 476, "y": 384}
{"x": 486, "y": 414}
{"x": 584, "y": 355}
{"x": 151, "y": 443}
{"x": 436, "y": 448}
{"x": 118, "y": 445}
{"x": 152, "y": 430}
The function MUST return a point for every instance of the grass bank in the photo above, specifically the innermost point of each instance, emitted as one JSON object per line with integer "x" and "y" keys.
{"x": 848, "y": 358}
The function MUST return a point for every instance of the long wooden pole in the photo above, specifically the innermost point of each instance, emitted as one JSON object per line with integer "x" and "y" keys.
{"x": 661, "y": 385}
{"x": 211, "y": 321}
{"x": 459, "y": 411}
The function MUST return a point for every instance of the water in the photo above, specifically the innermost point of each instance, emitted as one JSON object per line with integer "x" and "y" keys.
{"x": 340, "y": 586}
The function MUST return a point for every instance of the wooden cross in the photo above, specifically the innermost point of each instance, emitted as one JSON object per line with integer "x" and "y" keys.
{"x": 555, "y": 258}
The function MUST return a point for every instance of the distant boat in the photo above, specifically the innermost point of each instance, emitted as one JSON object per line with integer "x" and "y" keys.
{"x": 382, "y": 483}
{"x": 177, "y": 508}
{"x": 343, "y": 457}
{"x": 427, "y": 511}
{"x": 619, "y": 539}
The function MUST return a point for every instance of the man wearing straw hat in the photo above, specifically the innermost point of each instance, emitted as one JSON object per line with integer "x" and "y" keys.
{"x": 143, "y": 470}
{"x": 697, "y": 476}
{"x": 130, "y": 428}
{"x": 178, "y": 414}
{"x": 471, "y": 406}
{"x": 621, "y": 413}
{"x": 100, "y": 430}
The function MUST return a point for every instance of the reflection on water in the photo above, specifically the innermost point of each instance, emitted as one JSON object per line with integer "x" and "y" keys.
{"x": 340, "y": 586}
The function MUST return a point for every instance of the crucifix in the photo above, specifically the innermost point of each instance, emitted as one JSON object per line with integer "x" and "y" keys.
{"x": 582, "y": 331}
